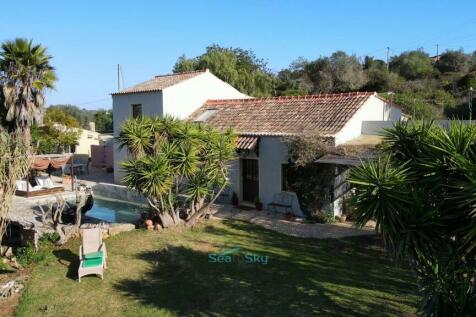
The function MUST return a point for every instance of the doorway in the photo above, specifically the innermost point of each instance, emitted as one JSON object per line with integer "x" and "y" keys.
{"x": 250, "y": 177}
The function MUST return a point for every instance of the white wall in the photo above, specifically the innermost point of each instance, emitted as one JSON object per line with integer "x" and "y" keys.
{"x": 85, "y": 141}
{"x": 374, "y": 109}
{"x": 184, "y": 98}
{"x": 272, "y": 154}
{"x": 179, "y": 101}
{"x": 122, "y": 110}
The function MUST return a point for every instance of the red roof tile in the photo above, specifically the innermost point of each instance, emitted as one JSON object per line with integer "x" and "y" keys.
{"x": 245, "y": 142}
{"x": 159, "y": 82}
{"x": 326, "y": 113}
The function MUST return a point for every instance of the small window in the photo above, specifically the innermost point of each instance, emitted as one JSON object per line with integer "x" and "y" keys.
{"x": 136, "y": 110}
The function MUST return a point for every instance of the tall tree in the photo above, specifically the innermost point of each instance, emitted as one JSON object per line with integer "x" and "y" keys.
{"x": 83, "y": 116}
{"x": 25, "y": 73}
{"x": 240, "y": 68}
{"x": 412, "y": 65}
{"x": 103, "y": 121}
{"x": 338, "y": 73}
{"x": 453, "y": 61}
{"x": 59, "y": 133}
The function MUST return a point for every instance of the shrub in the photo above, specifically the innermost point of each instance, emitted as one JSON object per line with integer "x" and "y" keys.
{"x": 322, "y": 217}
{"x": 27, "y": 255}
{"x": 50, "y": 237}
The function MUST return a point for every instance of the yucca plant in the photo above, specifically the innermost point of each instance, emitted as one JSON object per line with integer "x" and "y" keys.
{"x": 180, "y": 167}
{"x": 422, "y": 194}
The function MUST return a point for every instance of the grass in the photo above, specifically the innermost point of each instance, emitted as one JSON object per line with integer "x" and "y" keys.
{"x": 169, "y": 274}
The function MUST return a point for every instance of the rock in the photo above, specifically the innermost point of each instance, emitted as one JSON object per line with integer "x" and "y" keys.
{"x": 116, "y": 228}
{"x": 10, "y": 288}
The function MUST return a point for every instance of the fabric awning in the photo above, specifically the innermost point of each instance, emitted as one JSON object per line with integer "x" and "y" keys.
{"x": 41, "y": 162}
{"x": 247, "y": 142}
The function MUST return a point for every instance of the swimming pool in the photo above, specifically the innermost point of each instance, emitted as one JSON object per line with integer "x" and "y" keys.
{"x": 115, "y": 211}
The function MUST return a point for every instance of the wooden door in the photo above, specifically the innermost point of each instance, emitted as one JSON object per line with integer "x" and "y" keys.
{"x": 250, "y": 174}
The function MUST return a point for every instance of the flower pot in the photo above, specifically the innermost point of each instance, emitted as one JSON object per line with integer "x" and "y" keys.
{"x": 259, "y": 206}
{"x": 149, "y": 223}
{"x": 343, "y": 218}
{"x": 289, "y": 216}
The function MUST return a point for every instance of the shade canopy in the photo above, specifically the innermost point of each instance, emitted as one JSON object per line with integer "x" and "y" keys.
{"x": 42, "y": 162}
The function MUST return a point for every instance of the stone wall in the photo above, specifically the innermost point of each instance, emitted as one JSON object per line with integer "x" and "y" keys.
{"x": 118, "y": 192}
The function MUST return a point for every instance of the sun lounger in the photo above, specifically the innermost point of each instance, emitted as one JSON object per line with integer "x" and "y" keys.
{"x": 92, "y": 254}
{"x": 22, "y": 185}
{"x": 45, "y": 182}
{"x": 23, "y": 190}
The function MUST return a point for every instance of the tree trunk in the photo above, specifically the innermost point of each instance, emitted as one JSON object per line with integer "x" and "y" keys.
{"x": 167, "y": 219}
{"x": 26, "y": 134}
{"x": 197, "y": 215}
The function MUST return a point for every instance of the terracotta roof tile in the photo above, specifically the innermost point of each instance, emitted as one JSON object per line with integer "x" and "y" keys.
{"x": 159, "y": 82}
{"x": 246, "y": 142}
{"x": 326, "y": 113}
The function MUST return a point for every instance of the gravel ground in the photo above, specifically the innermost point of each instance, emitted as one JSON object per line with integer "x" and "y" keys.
{"x": 276, "y": 222}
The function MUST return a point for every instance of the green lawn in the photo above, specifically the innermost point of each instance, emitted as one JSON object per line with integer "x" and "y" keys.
{"x": 169, "y": 274}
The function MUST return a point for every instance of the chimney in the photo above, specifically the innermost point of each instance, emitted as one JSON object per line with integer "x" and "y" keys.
{"x": 92, "y": 126}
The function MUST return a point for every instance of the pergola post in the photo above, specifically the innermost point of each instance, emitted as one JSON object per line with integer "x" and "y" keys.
{"x": 72, "y": 172}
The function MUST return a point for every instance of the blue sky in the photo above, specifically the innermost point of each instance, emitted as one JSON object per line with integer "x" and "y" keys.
{"x": 89, "y": 38}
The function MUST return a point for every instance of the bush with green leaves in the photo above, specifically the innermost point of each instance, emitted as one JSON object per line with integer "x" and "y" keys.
{"x": 27, "y": 255}
{"x": 49, "y": 238}
{"x": 422, "y": 194}
{"x": 180, "y": 167}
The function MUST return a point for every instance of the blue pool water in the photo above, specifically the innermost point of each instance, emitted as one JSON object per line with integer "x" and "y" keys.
{"x": 114, "y": 211}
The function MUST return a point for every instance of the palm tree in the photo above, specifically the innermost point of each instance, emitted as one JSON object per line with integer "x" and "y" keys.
{"x": 180, "y": 167}
{"x": 25, "y": 73}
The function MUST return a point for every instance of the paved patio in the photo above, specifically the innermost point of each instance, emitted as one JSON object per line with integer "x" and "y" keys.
{"x": 26, "y": 213}
{"x": 275, "y": 221}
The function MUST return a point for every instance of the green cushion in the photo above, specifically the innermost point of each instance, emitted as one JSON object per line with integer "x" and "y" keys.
{"x": 93, "y": 255}
{"x": 92, "y": 262}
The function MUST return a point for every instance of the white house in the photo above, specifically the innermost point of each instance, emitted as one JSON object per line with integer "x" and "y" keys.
{"x": 177, "y": 95}
{"x": 262, "y": 123}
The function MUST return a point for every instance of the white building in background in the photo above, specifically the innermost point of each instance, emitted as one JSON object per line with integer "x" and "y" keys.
{"x": 177, "y": 95}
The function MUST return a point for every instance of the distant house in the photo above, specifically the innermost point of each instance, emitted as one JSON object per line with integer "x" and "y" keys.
{"x": 87, "y": 138}
{"x": 177, "y": 95}
{"x": 263, "y": 122}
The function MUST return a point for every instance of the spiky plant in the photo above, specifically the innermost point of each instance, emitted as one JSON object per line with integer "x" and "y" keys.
{"x": 422, "y": 194}
{"x": 181, "y": 167}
